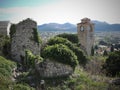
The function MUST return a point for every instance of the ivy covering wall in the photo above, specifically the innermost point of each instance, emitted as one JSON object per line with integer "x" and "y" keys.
{"x": 36, "y": 36}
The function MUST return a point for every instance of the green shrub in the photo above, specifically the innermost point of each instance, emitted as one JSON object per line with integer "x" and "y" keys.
{"x": 60, "y": 53}
{"x": 6, "y": 67}
{"x": 4, "y": 45}
{"x": 82, "y": 58}
{"x": 92, "y": 51}
{"x": 12, "y": 30}
{"x": 112, "y": 64}
{"x": 30, "y": 59}
{"x": 22, "y": 87}
{"x": 71, "y": 37}
{"x": 58, "y": 40}
{"x": 5, "y": 83}
{"x": 23, "y": 77}
{"x": 79, "y": 53}
{"x": 36, "y": 36}
{"x": 105, "y": 53}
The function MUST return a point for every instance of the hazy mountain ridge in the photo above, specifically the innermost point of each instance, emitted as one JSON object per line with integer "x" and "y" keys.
{"x": 99, "y": 26}
{"x": 104, "y": 26}
{"x": 57, "y": 27}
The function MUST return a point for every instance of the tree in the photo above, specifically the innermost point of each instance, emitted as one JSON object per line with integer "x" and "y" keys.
{"x": 112, "y": 64}
{"x": 105, "y": 53}
{"x": 4, "y": 45}
{"x": 103, "y": 43}
{"x": 112, "y": 48}
{"x": 96, "y": 47}
{"x": 92, "y": 51}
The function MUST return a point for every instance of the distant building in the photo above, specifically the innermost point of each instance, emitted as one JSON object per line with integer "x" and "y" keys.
{"x": 86, "y": 34}
{"x": 5, "y": 27}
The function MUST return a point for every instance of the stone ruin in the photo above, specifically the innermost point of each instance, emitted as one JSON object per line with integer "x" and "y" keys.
{"x": 5, "y": 27}
{"x": 23, "y": 39}
{"x": 85, "y": 31}
{"x": 50, "y": 69}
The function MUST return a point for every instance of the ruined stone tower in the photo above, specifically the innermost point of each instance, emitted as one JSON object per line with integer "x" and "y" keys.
{"x": 24, "y": 38}
{"x": 5, "y": 27}
{"x": 86, "y": 34}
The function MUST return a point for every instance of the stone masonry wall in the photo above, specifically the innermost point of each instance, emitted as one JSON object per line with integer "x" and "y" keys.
{"x": 5, "y": 27}
{"x": 23, "y": 39}
{"x": 49, "y": 69}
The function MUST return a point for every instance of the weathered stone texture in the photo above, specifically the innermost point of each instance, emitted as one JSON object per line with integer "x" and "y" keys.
{"x": 5, "y": 27}
{"x": 49, "y": 69}
{"x": 23, "y": 39}
{"x": 86, "y": 34}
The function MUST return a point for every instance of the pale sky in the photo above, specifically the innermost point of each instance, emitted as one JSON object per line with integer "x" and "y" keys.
{"x": 60, "y": 11}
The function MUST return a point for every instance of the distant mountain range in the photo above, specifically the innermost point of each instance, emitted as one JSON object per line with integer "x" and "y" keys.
{"x": 104, "y": 26}
{"x": 99, "y": 26}
{"x": 57, "y": 27}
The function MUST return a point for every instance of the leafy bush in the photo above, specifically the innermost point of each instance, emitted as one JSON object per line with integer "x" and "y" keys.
{"x": 58, "y": 40}
{"x": 92, "y": 51}
{"x": 60, "y": 53}
{"x": 78, "y": 52}
{"x": 4, "y": 45}
{"x": 12, "y": 30}
{"x": 71, "y": 37}
{"x": 112, "y": 64}
{"x": 22, "y": 87}
{"x": 82, "y": 58}
{"x": 30, "y": 59}
{"x": 6, "y": 67}
{"x": 105, "y": 53}
{"x": 36, "y": 36}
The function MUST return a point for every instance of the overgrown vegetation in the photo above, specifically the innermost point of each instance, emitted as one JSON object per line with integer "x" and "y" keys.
{"x": 62, "y": 48}
{"x": 22, "y": 87}
{"x": 112, "y": 64}
{"x": 71, "y": 37}
{"x": 81, "y": 80}
{"x": 92, "y": 51}
{"x": 29, "y": 74}
{"x": 36, "y": 36}
{"x": 60, "y": 53}
{"x": 4, "y": 45}
{"x": 30, "y": 59}
{"x": 12, "y": 30}
{"x": 82, "y": 58}
{"x": 7, "y": 74}
{"x": 6, "y": 67}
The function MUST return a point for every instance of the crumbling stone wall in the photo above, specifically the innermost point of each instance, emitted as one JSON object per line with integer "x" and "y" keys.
{"x": 86, "y": 34}
{"x": 23, "y": 39}
{"x": 5, "y": 27}
{"x": 49, "y": 69}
